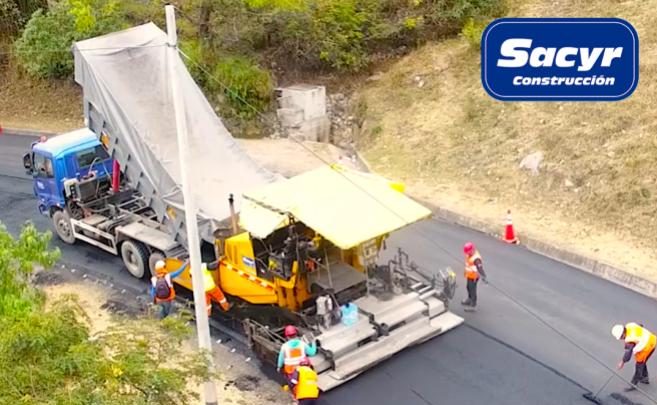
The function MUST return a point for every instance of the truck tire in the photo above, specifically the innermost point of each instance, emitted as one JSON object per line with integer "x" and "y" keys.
{"x": 62, "y": 223}
{"x": 135, "y": 258}
{"x": 154, "y": 257}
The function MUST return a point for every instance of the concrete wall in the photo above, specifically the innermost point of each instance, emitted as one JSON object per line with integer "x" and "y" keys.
{"x": 302, "y": 112}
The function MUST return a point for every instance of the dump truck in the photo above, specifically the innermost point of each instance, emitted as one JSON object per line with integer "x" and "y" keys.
{"x": 290, "y": 250}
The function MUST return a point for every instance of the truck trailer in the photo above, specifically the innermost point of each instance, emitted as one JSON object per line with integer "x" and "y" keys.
{"x": 290, "y": 251}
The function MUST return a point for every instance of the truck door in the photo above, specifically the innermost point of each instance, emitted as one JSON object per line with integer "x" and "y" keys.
{"x": 44, "y": 180}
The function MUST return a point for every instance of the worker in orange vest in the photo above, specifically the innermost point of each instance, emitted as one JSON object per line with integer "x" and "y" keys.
{"x": 162, "y": 290}
{"x": 474, "y": 269}
{"x": 640, "y": 342}
{"x": 293, "y": 352}
{"x": 304, "y": 383}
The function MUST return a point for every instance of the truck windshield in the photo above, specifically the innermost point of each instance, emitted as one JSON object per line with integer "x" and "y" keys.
{"x": 87, "y": 156}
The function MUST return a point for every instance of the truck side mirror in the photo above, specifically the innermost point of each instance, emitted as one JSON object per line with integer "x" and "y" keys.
{"x": 27, "y": 162}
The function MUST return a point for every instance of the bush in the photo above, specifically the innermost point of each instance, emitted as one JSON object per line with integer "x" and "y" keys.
{"x": 341, "y": 29}
{"x": 346, "y": 34}
{"x": 196, "y": 56}
{"x": 44, "y": 47}
{"x": 14, "y": 14}
{"x": 245, "y": 86}
{"x": 472, "y": 31}
{"x": 47, "y": 355}
{"x": 10, "y": 18}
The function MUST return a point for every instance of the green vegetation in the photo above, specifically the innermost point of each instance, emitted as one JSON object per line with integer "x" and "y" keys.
{"x": 244, "y": 84}
{"x": 233, "y": 41}
{"x": 44, "y": 46}
{"x": 47, "y": 355}
{"x": 472, "y": 31}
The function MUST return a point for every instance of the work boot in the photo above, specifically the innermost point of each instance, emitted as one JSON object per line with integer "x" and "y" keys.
{"x": 630, "y": 388}
{"x": 645, "y": 380}
{"x": 466, "y": 302}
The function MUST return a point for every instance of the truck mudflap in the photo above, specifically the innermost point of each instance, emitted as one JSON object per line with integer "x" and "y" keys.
{"x": 384, "y": 327}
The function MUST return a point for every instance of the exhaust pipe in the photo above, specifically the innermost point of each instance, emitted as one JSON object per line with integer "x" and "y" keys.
{"x": 233, "y": 217}
{"x": 116, "y": 175}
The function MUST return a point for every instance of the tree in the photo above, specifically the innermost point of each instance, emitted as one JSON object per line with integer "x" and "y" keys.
{"x": 47, "y": 356}
{"x": 44, "y": 46}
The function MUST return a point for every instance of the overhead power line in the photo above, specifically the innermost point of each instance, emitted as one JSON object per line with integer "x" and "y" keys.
{"x": 68, "y": 51}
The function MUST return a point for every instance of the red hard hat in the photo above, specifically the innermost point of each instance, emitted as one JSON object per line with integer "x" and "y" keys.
{"x": 468, "y": 248}
{"x": 290, "y": 331}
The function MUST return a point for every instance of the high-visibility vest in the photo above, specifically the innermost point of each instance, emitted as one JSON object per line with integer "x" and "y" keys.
{"x": 292, "y": 356}
{"x": 644, "y": 340}
{"x": 471, "y": 272}
{"x": 208, "y": 280}
{"x": 306, "y": 387}
{"x": 172, "y": 293}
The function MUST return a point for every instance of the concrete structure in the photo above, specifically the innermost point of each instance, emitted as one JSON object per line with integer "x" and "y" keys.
{"x": 302, "y": 112}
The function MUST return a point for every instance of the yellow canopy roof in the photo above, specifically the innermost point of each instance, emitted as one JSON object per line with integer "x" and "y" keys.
{"x": 345, "y": 206}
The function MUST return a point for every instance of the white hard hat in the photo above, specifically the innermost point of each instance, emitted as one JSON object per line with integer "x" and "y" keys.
{"x": 617, "y": 331}
{"x": 160, "y": 265}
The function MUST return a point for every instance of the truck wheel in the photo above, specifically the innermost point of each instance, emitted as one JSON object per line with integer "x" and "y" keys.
{"x": 155, "y": 256}
{"x": 135, "y": 258}
{"x": 62, "y": 223}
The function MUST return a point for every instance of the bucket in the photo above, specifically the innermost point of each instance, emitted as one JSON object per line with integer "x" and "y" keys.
{"x": 349, "y": 314}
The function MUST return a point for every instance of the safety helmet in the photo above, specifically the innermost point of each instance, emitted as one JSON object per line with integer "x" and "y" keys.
{"x": 290, "y": 331}
{"x": 468, "y": 248}
{"x": 160, "y": 266}
{"x": 617, "y": 331}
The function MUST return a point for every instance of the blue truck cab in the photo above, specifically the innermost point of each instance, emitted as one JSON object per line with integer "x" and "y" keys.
{"x": 72, "y": 181}
{"x": 68, "y": 156}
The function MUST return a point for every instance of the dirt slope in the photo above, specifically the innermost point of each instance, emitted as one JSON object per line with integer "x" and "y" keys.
{"x": 430, "y": 122}
{"x": 50, "y": 106}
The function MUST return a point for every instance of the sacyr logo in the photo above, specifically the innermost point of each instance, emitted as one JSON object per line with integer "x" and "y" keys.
{"x": 560, "y": 59}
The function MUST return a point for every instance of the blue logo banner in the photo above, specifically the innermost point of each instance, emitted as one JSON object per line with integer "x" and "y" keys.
{"x": 560, "y": 59}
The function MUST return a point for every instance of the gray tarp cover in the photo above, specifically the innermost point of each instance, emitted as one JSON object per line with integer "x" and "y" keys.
{"x": 125, "y": 76}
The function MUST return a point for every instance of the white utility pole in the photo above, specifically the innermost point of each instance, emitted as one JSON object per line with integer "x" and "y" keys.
{"x": 194, "y": 246}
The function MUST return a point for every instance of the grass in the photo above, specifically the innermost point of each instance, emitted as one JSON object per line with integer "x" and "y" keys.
{"x": 598, "y": 178}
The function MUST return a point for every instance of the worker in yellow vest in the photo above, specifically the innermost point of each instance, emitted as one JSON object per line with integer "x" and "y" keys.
{"x": 212, "y": 291}
{"x": 640, "y": 342}
{"x": 304, "y": 381}
{"x": 474, "y": 269}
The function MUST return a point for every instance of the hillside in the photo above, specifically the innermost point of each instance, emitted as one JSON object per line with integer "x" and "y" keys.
{"x": 429, "y": 121}
{"x": 39, "y": 104}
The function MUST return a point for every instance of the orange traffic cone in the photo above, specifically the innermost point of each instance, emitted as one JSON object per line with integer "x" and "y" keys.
{"x": 509, "y": 232}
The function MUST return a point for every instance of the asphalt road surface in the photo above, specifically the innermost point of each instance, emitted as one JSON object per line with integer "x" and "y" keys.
{"x": 501, "y": 355}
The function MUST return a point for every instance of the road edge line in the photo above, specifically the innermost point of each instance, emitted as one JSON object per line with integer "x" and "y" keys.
{"x": 592, "y": 266}
{"x": 581, "y": 262}
{"x": 27, "y": 132}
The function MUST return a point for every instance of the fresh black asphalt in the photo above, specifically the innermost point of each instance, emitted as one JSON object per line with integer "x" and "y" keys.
{"x": 501, "y": 355}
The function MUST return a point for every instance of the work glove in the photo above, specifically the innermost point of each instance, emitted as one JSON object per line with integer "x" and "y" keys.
{"x": 485, "y": 280}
